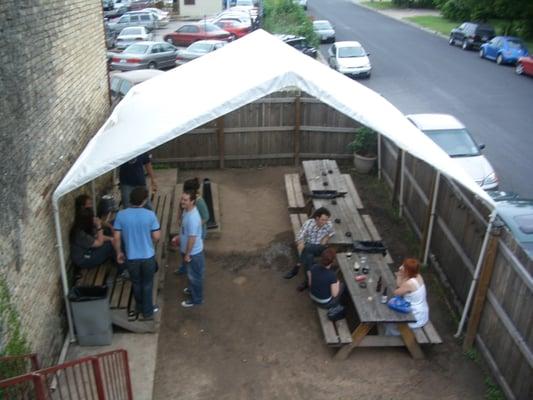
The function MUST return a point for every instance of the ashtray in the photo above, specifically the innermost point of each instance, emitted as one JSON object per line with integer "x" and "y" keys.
{"x": 325, "y": 183}
{"x": 330, "y": 171}
{"x": 337, "y": 220}
{"x": 348, "y": 234}
{"x": 365, "y": 270}
{"x": 324, "y": 174}
{"x": 362, "y": 285}
{"x": 334, "y": 202}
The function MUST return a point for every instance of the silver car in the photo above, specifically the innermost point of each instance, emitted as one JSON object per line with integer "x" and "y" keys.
{"x": 120, "y": 83}
{"x": 324, "y": 30}
{"x": 453, "y": 137}
{"x": 142, "y": 55}
{"x": 146, "y": 19}
{"x": 198, "y": 49}
{"x": 132, "y": 35}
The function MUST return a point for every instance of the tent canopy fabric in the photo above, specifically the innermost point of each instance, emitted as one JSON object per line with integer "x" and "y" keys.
{"x": 171, "y": 104}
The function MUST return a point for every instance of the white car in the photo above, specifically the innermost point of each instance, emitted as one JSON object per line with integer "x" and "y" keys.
{"x": 324, "y": 30}
{"x": 453, "y": 137}
{"x": 132, "y": 35}
{"x": 301, "y": 3}
{"x": 246, "y": 5}
{"x": 349, "y": 58}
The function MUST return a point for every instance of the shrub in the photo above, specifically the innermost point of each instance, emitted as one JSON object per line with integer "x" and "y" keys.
{"x": 365, "y": 142}
{"x": 455, "y": 10}
{"x": 285, "y": 17}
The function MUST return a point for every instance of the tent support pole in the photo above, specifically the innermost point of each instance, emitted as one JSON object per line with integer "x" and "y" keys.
{"x": 221, "y": 142}
{"x": 402, "y": 166}
{"x": 296, "y": 137}
{"x": 431, "y": 219}
{"x": 379, "y": 156}
{"x": 476, "y": 273}
{"x": 63, "y": 269}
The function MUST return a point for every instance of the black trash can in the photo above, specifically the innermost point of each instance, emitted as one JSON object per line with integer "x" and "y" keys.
{"x": 91, "y": 314}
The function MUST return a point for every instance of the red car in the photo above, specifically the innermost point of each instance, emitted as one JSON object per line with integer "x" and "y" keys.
{"x": 190, "y": 33}
{"x": 239, "y": 29}
{"x": 524, "y": 65}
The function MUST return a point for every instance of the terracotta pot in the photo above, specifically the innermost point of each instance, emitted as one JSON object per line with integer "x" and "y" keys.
{"x": 363, "y": 164}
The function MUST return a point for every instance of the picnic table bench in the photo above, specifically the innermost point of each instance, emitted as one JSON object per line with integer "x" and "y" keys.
{"x": 120, "y": 294}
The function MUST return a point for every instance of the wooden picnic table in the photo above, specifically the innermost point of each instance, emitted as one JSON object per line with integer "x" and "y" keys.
{"x": 370, "y": 311}
{"x": 324, "y": 175}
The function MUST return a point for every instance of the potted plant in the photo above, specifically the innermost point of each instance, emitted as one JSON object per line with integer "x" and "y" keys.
{"x": 364, "y": 147}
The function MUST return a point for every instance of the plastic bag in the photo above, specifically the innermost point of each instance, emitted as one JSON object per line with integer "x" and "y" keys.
{"x": 399, "y": 304}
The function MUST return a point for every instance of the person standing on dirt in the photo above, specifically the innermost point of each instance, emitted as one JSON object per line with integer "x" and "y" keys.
{"x": 131, "y": 175}
{"x": 192, "y": 248}
{"x": 311, "y": 242}
{"x": 138, "y": 228}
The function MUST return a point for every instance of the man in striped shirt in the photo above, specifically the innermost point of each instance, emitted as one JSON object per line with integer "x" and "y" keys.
{"x": 311, "y": 242}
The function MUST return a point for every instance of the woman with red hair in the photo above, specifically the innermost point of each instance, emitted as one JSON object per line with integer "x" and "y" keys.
{"x": 411, "y": 286}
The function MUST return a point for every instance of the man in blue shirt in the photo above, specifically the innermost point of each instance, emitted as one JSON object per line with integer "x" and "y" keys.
{"x": 139, "y": 229}
{"x": 131, "y": 175}
{"x": 192, "y": 248}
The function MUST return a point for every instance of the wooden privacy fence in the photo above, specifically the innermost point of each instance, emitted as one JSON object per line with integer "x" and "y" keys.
{"x": 286, "y": 127}
{"x": 504, "y": 312}
{"x": 279, "y": 129}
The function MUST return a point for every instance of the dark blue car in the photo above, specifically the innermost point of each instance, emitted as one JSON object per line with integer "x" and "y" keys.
{"x": 503, "y": 49}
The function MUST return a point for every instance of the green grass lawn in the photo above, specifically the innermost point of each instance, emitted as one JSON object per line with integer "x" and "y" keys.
{"x": 379, "y": 5}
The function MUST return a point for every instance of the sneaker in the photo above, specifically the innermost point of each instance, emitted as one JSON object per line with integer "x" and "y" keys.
{"x": 302, "y": 286}
{"x": 156, "y": 309}
{"x": 292, "y": 273}
{"x": 187, "y": 304}
{"x": 187, "y": 291}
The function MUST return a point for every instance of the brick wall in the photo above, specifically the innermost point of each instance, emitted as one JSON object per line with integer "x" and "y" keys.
{"x": 53, "y": 98}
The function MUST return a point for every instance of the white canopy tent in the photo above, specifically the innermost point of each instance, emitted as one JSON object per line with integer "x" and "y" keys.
{"x": 248, "y": 69}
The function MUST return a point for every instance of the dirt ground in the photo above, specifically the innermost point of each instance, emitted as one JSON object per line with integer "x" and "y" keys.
{"x": 256, "y": 337}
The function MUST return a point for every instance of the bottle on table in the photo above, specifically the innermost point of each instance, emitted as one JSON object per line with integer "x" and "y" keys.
{"x": 379, "y": 285}
{"x": 384, "y": 296}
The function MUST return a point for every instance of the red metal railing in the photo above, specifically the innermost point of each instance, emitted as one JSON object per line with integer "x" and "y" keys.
{"x": 104, "y": 376}
{"x": 18, "y": 365}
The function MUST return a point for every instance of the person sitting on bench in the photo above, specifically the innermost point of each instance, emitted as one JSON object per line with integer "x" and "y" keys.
{"x": 89, "y": 247}
{"x": 311, "y": 242}
{"x": 324, "y": 287}
{"x": 411, "y": 286}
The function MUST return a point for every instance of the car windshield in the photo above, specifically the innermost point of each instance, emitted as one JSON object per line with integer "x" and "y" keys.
{"x": 131, "y": 31}
{"x": 211, "y": 28}
{"x": 515, "y": 44}
{"x": 200, "y": 47}
{"x": 348, "y": 52}
{"x": 137, "y": 49}
{"x": 455, "y": 142}
{"x": 322, "y": 25}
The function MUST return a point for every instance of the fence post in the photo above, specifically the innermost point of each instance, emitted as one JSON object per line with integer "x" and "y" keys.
{"x": 296, "y": 136}
{"x": 98, "y": 380}
{"x": 430, "y": 218}
{"x": 39, "y": 382}
{"x": 483, "y": 286}
{"x": 221, "y": 143}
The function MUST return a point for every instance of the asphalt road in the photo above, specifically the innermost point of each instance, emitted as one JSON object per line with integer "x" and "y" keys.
{"x": 419, "y": 72}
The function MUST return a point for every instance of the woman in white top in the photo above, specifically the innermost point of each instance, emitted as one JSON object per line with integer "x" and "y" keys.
{"x": 411, "y": 286}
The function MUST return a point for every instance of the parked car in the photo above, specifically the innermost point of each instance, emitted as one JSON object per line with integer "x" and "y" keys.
{"x": 517, "y": 214}
{"x": 453, "y": 137}
{"x": 198, "y": 49}
{"x": 246, "y": 5}
{"x": 110, "y": 36}
{"x": 140, "y": 4}
{"x": 146, "y": 19}
{"x": 162, "y": 16}
{"x": 239, "y": 29}
{"x": 524, "y": 66}
{"x": 299, "y": 43}
{"x": 350, "y": 58}
{"x": 113, "y": 9}
{"x": 190, "y": 33}
{"x": 243, "y": 18}
{"x": 503, "y": 49}
{"x": 120, "y": 83}
{"x": 324, "y": 30}
{"x": 131, "y": 35}
{"x": 471, "y": 34}
{"x": 142, "y": 55}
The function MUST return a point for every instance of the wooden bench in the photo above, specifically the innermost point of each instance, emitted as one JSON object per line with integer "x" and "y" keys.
{"x": 427, "y": 334}
{"x": 295, "y": 196}
{"x": 375, "y": 234}
{"x": 297, "y": 220}
{"x": 336, "y": 333}
{"x": 352, "y": 192}
{"x": 174, "y": 222}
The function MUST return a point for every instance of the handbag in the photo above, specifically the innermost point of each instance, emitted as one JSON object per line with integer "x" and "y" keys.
{"x": 336, "y": 313}
{"x": 399, "y": 304}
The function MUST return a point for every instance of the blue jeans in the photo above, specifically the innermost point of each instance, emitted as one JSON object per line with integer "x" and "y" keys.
{"x": 142, "y": 279}
{"x": 125, "y": 191}
{"x": 195, "y": 273}
{"x": 310, "y": 251}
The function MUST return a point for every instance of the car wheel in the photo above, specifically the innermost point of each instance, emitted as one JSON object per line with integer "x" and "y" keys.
{"x": 481, "y": 53}
{"x": 451, "y": 41}
{"x": 465, "y": 46}
{"x": 152, "y": 65}
{"x": 519, "y": 69}
{"x": 499, "y": 59}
